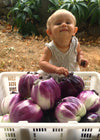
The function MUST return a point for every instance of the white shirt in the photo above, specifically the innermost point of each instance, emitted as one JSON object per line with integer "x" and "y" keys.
{"x": 67, "y": 59}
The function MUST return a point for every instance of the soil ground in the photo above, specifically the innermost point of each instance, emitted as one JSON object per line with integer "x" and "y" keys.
{"x": 23, "y": 54}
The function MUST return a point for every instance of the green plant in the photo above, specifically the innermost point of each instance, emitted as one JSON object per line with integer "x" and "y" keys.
{"x": 25, "y": 16}
{"x": 55, "y": 5}
{"x": 94, "y": 12}
{"x": 78, "y": 7}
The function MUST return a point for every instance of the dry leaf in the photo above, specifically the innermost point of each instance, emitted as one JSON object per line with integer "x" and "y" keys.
{"x": 4, "y": 31}
{"x": 17, "y": 56}
{"x": 9, "y": 27}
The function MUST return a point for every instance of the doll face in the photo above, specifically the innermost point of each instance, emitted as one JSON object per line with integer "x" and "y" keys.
{"x": 62, "y": 26}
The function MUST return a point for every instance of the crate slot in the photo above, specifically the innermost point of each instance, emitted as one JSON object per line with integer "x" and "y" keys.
{"x": 10, "y": 139}
{"x": 87, "y": 129}
{"x": 86, "y": 135}
{"x": 10, "y": 133}
{"x": 12, "y": 83}
{"x": 57, "y": 129}
{"x": 98, "y": 137}
{"x": 39, "y": 129}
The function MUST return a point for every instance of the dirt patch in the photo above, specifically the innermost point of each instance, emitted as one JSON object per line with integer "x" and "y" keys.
{"x": 18, "y": 54}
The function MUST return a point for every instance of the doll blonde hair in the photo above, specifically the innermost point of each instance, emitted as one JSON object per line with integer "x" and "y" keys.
{"x": 50, "y": 19}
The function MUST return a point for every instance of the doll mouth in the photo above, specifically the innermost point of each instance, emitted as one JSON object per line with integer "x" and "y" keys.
{"x": 63, "y": 30}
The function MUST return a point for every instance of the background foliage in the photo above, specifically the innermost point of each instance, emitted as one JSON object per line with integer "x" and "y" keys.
{"x": 25, "y": 16}
{"x": 84, "y": 10}
{"x": 25, "y": 13}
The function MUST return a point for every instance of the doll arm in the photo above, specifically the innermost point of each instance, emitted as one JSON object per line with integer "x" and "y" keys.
{"x": 80, "y": 57}
{"x": 49, "y": 68}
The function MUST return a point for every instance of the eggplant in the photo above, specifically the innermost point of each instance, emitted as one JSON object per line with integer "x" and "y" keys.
{"x": 26, "y": 110}
{"x": 71, "y": 85}
{"x": 70, "y": 109}
{"x": 25, "y": 84}
{"x": 91, "y": 100}
{"x": 45, "y": 92}
{"x": 91, "y": 117}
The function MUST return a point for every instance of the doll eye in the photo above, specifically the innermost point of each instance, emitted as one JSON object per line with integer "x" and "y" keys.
{"x": 58, "y": 23}
{"x": 68, "y": 22}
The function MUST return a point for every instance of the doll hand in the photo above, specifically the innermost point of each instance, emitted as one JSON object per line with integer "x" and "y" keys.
{"x": 62, "y": 70}
{"x": 83, "y": 63}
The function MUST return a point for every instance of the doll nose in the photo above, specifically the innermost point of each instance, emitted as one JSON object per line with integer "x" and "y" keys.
{"x": 63, "y": 24}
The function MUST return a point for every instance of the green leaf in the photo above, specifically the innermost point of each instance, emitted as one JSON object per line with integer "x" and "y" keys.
{"x": 93, "y": 18}
{"x": 15, "y": 9}
{"x": 99, "y": 15}
{"x": 92, "y": 11}
{"x": 74, "y": 9}
{"x": 83, "y": 10}
{"x": 19, "y": 15}
{"x": 66, "y": 6}
{"x": 12, "y": 11}
{"x": 36, "y": 17}
{"x": 82, "y": 4}
{"x": 50, "y": 9}
{"x": 28, "y": 10}
{"x": 54, "y": 2}
{"x": 79, "y": 11}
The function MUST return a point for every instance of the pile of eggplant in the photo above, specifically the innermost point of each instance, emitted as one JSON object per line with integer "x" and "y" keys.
{"x": 48, "y": 99}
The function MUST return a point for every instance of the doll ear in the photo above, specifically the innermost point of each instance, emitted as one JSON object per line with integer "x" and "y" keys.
{"x": 48, "y": 32}
{"x": 75, "y": 30}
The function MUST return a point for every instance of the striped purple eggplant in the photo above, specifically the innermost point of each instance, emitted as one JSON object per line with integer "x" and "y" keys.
{"x": 25, "y": 84}
{"x": 5, "y": 119}
{"x": 26, "y": 110}
{"x": 14, "y": 100}
{"x": 70, "y": 109}
{"x": 9, "y": 101}
{"x": 46, "y": 92}
{"x": 91, "y": 117}
{"x": 91, "y": 100}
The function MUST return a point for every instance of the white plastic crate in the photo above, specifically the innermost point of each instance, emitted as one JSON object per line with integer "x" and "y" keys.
{"x": 48, "y": 131}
